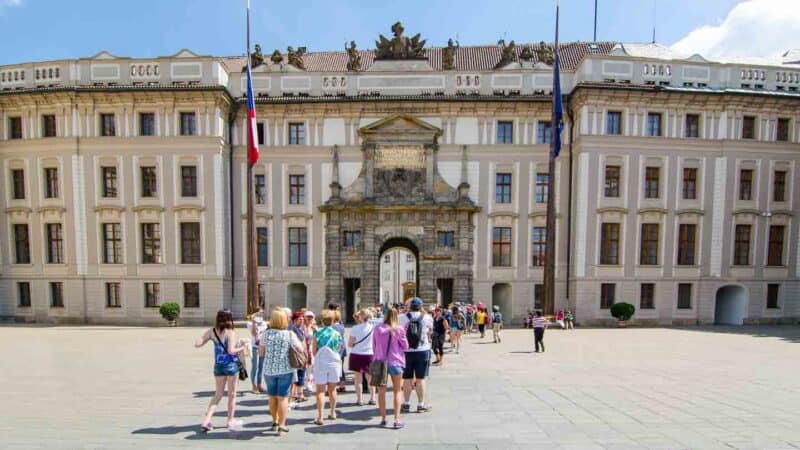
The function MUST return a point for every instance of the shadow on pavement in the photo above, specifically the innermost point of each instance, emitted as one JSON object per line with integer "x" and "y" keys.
{"x": 169, "y": 429}
{"x": 522, "y": 352}
{"x": 206, "y": 394}
{"x": 789, "y": 333}
{"x": 338, "y": 428}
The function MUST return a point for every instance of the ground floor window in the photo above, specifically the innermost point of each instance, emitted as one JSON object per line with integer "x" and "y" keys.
{"x": 607, "y": 291}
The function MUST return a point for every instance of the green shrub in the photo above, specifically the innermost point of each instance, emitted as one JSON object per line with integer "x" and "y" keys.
{"x": 170, "y": 311}
{"x": 622, "y": 311}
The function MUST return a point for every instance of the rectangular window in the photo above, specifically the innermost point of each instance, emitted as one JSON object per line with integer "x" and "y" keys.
{"x": 748, "y": 127}
{"x": 188, "y": 124}
{"x": 543, "y": 132}
{"x": 49, "y": 125}
{"x": 55, "y": 243}
{"x": 15, "y": 127}
{"x": 609, "y": 243}
{"x": 779, "y": 186}
{"x": 654, "y": 124}
{"x": 772, "y": 296}
{"x": 112, "y": 243}
{"x": 502, "y": 193}
{"x": 113, "y": 299}
{"x": 647, "y": 299}
{"x": 152, "y": 294}
{"x": 297, "y": 189}
{"x": 50, "y": 182}
{"x": 409, "y": 275}
{"x": 445, "y": 239}
{"x": 188, "y": 181}
{"x": 351, "y": 240}
{"x": 614, "y": 123}
{"x": 147, "y": 124}
{"x": 298, "y": 247}
{"x": 263, "y": 246}
{"x": 107, "y": 125}
{"x": 261, "y": 189}
{"x": 542, "y": 187}
{"x": 649, "y": 245}
{"x": 612, "y": 181}
{"x": 56, "y": 294}
{"x": 191, "y": 295}
{"x": 190, "y": 242}
{"x": 652, "y": 177}
{"x": 684, "y": 296}
{"x": 783, "y": 130}
{"x": 741, "y": 247}
{"x": 260, "y": 132}
{"x": 22, "y": 245}
{"x": 775, "y": 249}
{"x": 149, "y": 182}
{"x": 151, "y": 243}
{"x": 24, "y": 294}
{"x": 607, "y": 291}
{"x": 18, "y": 181}
{"x": 538, "y": 296}
{"x": 409, "y": 258}
{"x": 538, "y": 246}
{"x": 109, "y": 175}
{"x": 297, "y": 133}
{"x": 745, "y": 184}
{"x": 501, "y": 247}
{"x": 692, "y": 125}
{"x": 262, "y": 295}
{"x": 689, "y": 183}
{"x": 686, "y": 244}
{"x": 505, "y": 132}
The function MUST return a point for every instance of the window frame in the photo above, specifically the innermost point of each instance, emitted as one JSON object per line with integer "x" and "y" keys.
{"x": 152, "y": 294}
{"x": 782, "y": 129}
{"x": 108, "y": 175}
{"x": 684, "y": 300}
{"x": 262, "y": 240}
{"x": 544, "y": 132}
{"x": 647, "y": 296}
{"x": 297, "y": 189}
{"x": 748, "y": 127}
{"x": 188, "y": 181}
{"x": 56, "y": 289}
{"x": 502, "y": 253}
{"x": 188, "y": 123}
{"x": 113, "y": 294}
{"x": 542, "y": 191}
{"x": 115, "y": 242}
{"x": 54, "y": 243}
{"x": 648, "y": 244}
{"x": 194, "y": 293}
{"x": 746, "y": 185}
{"x": 151, "y": 242}
{"x": 296, "y": 133}
{"x": 15, "y": 128}
{"x": 611, "y": 181}
{"x": 775, "y": 243}
{"x": 260, "y": 188}
{"x": 652, "y": 186}
{"x": 609, "y": 243}
{"x": 614, "y": 123}
{"x": 608, "y": 295}
{"x": 49, "y": 126}
{"x": 779, "y": 186}
{"x": 191, "y": 239}
{"x": 653, "y": 127}
{"x": 538, "y": 246}
{"x": 18, "y": 184}
{"x": 51, "y": 182}
{"x": 504, "y": 132}
{"x": 298, "y": 246}
{"x": 741, "y": 246}
{"x": 502, "y": 188}
{"x": 351, "y": 240}
{"x": 689, "y": 183}
{"x": 24, "y": 294}
{"x": 147, "y": 124}
{"x": 692, "y": 126}
{"x": 773, "y": 296}
{"x": 687, "y": 244}
{"x": 22, "y": 243}
{"x": 149, "y": 179}
{"x": 445, "y": 239}
{"x": 108, "y": 125}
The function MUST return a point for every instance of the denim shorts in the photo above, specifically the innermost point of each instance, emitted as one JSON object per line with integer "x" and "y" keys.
{"x": 226, "y": 370}
{"x": 301, "y": 377}
{"x": 279, "y": 385}
{"x": 395, "y": 371}
{"x": 417, "y": 364}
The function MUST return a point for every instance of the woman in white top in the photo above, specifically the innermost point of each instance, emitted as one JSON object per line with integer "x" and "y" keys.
{"x": 360, "y": 343}
{"x": 257, "y": 325}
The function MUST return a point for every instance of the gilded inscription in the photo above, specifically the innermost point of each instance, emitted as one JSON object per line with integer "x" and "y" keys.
{"x": 400, "y": 156}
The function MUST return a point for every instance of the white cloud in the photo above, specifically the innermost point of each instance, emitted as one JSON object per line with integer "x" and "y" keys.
{"x": 759, "y": 28}
{"x": 8, "y": 3}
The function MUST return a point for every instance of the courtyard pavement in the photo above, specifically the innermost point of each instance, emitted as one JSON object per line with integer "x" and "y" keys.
{"x": 703, "y": 388}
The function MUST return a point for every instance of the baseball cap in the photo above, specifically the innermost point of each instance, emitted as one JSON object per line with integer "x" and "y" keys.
{"x": 416, "y": 302}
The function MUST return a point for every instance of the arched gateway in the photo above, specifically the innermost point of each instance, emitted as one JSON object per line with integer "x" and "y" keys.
{"x": 399, "y": 198}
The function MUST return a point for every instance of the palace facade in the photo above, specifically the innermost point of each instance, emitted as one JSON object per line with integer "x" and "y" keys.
{"x": 402, "y": 169}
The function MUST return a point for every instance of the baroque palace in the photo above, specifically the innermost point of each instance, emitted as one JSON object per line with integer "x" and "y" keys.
{"x": 402, "y": 170}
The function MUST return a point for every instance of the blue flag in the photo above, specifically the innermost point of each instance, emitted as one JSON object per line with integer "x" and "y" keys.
{"x": 558, "y": 106}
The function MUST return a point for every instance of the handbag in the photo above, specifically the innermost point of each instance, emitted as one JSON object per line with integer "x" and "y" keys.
{"x": 242, "y": 369}
{"x": 378, "y": 369}
{"x": 298, "y": 359}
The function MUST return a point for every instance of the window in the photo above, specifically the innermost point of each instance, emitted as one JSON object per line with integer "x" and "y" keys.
{"x": 745, "y": 184}
{"x": 501, "y": 247}
{"x": 190, "y": 242}
{"x": 505, "y": 132}
{"x": 779, "y": 186}
{"x": 692, "y": 125}
{"x": 543, "y": 133}
{"x": 649, "y": 247}
{"x": 445, "y": 239}
{"x": 107, "y": 125}
{"x": 772, "y": 296}
{"x": 152, "y": 292}
{"x": 741, "y": 246}
{"x": 686, "y": 244}
{"x": 607, "y": 291}
{"x": 297, "y": 133}
{"x": 538, "y": 246}
{"x": 189, "y": 181}
{"x": 263, "y": 246}
{"x": 261, "y": 189}
{"x": 151, "y": 243}
{"x": 612, "y": 181}
{"x": 112, "y": 243}
{"x": 689, "y": 183}
{"x": 56, "y": 294}
{"x": 109, "y": 182}
{"x": 50, "y": 182}
{"x": 647, "y": 297}
{"x": 502, "y": 192}
{"x": 149, "y": 182}
{"x": 15, "y": 127}
{"x": 351, "y": 240}
{"x": 55, "y": 243}
{"x": 262, "y": 295}
{"x": 409, "y": 258}
{"x": 409, "y": 275}
{"x": 49, "y": 125}
{"x": 748, "y": 127}
{"x": 188, "y": 124}
{"x": 609, "y": 243}
{"x": 387, "y": 259}
{"x": 147, "y": 124}
{"x": 614, "y": 123}
{"x": 775, "y": 249}
{"x": 24, "y": 294}
{"x": 653, "y": 124}
{"x": 22, "y": 245}
{"x": 191, "y": 295}
{"x": 783, "y": 130}
{"x": 651, "y": 181}
{"x": 684, "y": 296}
{"x": 260, "y": 132}
{"x": 18, "y": 181}
{"x": 542, "y": 187}
{"x": 113, "y": 299}
{"x": 297, "y": 189}
{"x": 538, "y": 296}
{"x": 298, "y": 247}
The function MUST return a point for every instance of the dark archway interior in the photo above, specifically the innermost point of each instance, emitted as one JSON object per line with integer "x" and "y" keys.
{"x": 730, "y": 305}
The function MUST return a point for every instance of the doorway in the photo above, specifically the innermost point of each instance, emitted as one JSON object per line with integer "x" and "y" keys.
{"x": 444, "y": 287}
{"x": 297, "y": 296}
{"x": 731, "y": 305}
{"x": 351, "y": 300}
{"x": 501, "y": 297}
{"x": 399, "y": 271}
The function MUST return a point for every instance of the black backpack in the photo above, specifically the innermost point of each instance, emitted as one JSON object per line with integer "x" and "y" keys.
{"x": 414, "y": 331}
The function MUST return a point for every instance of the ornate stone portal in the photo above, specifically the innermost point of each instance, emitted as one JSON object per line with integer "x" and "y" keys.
{"x": 399, "y": 200}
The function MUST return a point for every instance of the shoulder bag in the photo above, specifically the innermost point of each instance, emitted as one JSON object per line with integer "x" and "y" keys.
{"x": 242, "y": 368}
{"x": 379, "y": 369}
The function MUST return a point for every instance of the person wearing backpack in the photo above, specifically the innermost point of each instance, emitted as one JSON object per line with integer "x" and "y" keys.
{"x": 497, "y": 324}
{"x": 419, "y": 327}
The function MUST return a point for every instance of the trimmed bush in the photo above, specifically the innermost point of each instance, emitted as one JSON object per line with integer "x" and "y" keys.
{"x": 622, "y": 311}
{"x": 170, "y": 311}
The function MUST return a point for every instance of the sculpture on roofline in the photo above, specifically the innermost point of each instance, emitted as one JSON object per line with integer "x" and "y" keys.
{"x": 295, "y": 57}
{"x": 508, "y": 53}
{"x": 527, "y": 53}
{"x": 449, "y": 56}
{"x": 545, "y": 54}
{"x": 353, "y": 57}
{"x": 399, "y": 47}
{"x": 276, "y": 57}
{"x": 256, "y": 58}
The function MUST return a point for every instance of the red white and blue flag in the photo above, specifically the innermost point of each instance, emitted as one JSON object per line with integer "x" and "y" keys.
{"x": 252, "y": 131}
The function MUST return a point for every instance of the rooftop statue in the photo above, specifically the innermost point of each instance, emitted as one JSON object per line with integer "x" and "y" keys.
{"x": 527, "y": 53}
{"x": 295, "y": 57}
{"x": 508, "y": 53}
{"x": 353, "y": 57}
{"x": 449, "y": 56}
{"x": 399, "y": 47}
{"x": 276, "y": 57}
{"x": 545, "y": 54}
{"x": 256, "y": 58}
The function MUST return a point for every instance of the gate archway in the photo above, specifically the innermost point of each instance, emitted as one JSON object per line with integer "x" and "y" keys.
{"x": 730, "y": 306}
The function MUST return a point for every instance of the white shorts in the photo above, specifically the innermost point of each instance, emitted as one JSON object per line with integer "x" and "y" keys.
{"x": 326, "y": 374}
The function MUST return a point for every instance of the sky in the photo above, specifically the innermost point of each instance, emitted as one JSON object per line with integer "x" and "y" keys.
{"x": 40, "y": 30}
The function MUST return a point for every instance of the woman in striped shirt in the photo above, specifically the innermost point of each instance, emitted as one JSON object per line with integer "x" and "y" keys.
{"x": 539, "y": 324}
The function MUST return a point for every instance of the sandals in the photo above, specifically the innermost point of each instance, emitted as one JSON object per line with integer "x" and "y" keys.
{"x": 383, "y": 422}
{"x": 359, "y": 403}
{"x": 399, "y": 425}
{"x": 371, "y": 402}
{"x": 206, "y": 427}
{"x": 282, "y": 431}
{"x": 331, "y": 417}
{"x": 319, "y": 422}
{"x": 274, "y": 427}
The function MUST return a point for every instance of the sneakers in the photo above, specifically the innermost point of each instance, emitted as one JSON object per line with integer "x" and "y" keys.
{"x": 423, "y": 408}
{"x": 405, "y": 407}
{"x": 399, "y": 425}
{"x": 235, "y": 425}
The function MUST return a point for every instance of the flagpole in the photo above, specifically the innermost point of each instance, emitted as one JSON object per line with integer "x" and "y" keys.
{"x": 550, "y": 251}
{"x": 251, "y": 269}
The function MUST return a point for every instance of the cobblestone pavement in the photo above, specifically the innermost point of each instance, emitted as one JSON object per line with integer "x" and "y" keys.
{"x": 705, "y": 388}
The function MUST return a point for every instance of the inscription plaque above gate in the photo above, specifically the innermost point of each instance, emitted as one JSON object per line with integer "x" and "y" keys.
{"x": 400, "y": 157}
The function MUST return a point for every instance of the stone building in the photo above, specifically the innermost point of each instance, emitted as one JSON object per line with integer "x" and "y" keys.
{"x": 123, "y": 181}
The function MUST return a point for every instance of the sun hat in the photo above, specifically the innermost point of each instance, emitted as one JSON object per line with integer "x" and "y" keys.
{"x": 309, "y": 314}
